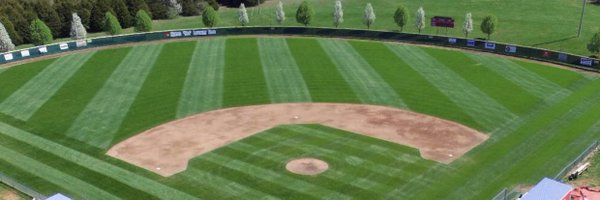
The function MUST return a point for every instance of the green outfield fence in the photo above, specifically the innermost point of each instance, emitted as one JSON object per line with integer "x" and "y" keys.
{"x": 545, "y": 55}
{"x": 20, "y": 187}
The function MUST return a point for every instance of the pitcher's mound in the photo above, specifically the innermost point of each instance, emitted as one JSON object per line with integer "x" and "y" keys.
{"x": 307, "y": 166}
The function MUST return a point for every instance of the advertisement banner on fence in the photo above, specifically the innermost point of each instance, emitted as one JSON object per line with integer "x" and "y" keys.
{"x": 81, "y": 43}
{"x": 563, "y": 57}
{"x": 186, "y": 33}
{"x": 43, "y": 49}
{"x": 510, "y": 49}
{"x": 212, "y": 32}
{"x": 489, "y": 45}
{"x": 471, "y": 43}
{"x": 8, "y": 56}
{"x": 586, "y": 61}
{"x": 63, "y": 46}
{"x": 452, "y": 40}
{"x": 25, "y": 53}
{"x": 200, "y": 32}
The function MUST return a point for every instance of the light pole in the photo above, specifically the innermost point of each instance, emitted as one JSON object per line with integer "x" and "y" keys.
{"x": 581, "y": 18}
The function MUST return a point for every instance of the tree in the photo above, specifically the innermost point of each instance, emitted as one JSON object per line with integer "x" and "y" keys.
{"x": 304, "y": 13}
{"x": 243, "y": 15}
{"x": 174, "y": 9}
{"x": 5, "y": 41}
{"x": 279, "y": 13}
{"x": 189, "y": 8}
{"x": 111, "y": 25}
{"x": 468, "y": 25}
{"x": 14, "y": 12}
{"x": 488, "y": 26}
{"x": 212, "y": 3}
{"x": 10, "y": 29}
{"x": 136, "y": 5}
{"x": 40, "y": 33}
{"x": 77, "y": 30}
{"x": 420, "y": 19}
{"x": 369, "y": 16}
{"x": 46, "y": 13}
{"x": 209, "y": 17}
{"x": 401, "y": 16}
{"x": 594, "y": 45}
{"x": 159, "y": 9}
{"x": 122, "y": 13}
{"x": 143, "y": 22}
{"x": 97, "y": 17}
{"x": 338, "y": 14}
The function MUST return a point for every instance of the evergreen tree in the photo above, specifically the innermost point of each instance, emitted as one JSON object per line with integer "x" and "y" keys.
{"x": 135, "y": 5}
{"x": 369, "y": 16}
{"x": 189, "y": 8}
{"x": 40, "y": 33}
{"x": 338, "y": 14}
{"x": 143, "y": 22}
{"x": 243, "y": 15}
{"x": 77, "y": 30}
{"x": 209, "y": 17}
{"x": 401, "y": 17}
{"x": 65, "y": 8}
{"x": 594, "y": 45}
{"x": 97, "y": 18}
{"x": 123, "y": 13}
{"x": 111, "y": 25}
{"x": 304, "y": 13}
{"x": 46, "y": 13}
{"x": 159, "y": 9}
{"x": 5, "y": 41}
{"x": 16, "y": 14}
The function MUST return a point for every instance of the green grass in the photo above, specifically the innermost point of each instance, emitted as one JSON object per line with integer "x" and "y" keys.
{"x": 537, "y": 117}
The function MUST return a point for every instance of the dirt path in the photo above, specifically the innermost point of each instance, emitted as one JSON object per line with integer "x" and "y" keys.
{"x": 167, "y": 148}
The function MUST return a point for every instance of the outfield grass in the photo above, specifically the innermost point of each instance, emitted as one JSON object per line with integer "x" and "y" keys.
{"x": 537, "y": 117}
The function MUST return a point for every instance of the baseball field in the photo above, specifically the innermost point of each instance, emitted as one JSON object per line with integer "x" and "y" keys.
{"x": 59, "y": 117}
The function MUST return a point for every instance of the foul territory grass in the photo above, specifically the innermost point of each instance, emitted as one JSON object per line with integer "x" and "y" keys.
{"x": 542, "y": 132}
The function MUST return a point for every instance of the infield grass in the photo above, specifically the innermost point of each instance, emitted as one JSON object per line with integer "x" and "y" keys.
{"x": 537, "y": 117}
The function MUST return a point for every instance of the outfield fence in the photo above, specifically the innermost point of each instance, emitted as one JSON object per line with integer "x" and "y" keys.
{"x": 20, "y": 187}
{"x": 567, "y": 59}
{"x": 593, "y": 147}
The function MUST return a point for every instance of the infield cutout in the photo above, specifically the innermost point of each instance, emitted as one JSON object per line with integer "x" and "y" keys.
{"x": 166, "y": 149}
{"x": 307, "y": 166}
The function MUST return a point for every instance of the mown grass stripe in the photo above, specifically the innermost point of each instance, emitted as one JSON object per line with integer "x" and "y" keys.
{"x": 244, "y": 79}
{"x": 23, "y": 103}
{"x": 226, "y": 187}
{"x": 419, "y": 94}
{"x": 284, "y": 79}
{"x": 160, "y": 91}
{"x": 533, "y": 83}
{"x": 203, "y": 88}
{"x": 557, "y": 75}
{"x": 53, "y": 175}
{"x": 59, "y": 112}
{"x": 30, "y": 180}
{"x": 504, "y": 91}
{"x": 15, "y": 77}
{"x": 323, "y": 80}
{"x": 365, "y": 82}
{"x": 102, "y": 116}
{"x": 487, "y": 111}
{"x": 135, "y": 181}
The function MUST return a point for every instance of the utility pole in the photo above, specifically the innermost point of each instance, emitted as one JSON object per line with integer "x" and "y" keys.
{"x": 581, "y": 19}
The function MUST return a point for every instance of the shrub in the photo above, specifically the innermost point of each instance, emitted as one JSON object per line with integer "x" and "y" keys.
{"x": 594, "y": 45}
{"x": 98, "y": 15}
{"x": 143, "y": 22}
{"x": 304, "y": 13}
{"x": 123, "y": 13}
{"x": 209, "y": 17}
{"x": 111, "y": 24}
{"x": 40, "y": 33}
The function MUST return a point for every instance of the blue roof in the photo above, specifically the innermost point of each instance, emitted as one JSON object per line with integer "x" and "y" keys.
{"x": 548, "y": 189}
{"x": 58, "y": 196}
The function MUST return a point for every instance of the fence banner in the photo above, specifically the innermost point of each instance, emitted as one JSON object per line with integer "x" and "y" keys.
{"x": 25, "y": 53}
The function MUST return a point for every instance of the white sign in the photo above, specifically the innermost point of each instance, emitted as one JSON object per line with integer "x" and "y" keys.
{"x": 25, "y": 53}
{"x": 63, "y": 46}
{"x": 8, "y": 56}
{"x": 212, "y": 32}
{"x": 489, "y": 45}
{"x": 471, "y": 43}
{"x": 43, "y": 49}
{"x": 452, "y": 40}
{"x": 510, "y": 49}
{"x": 81, "y": 43}
{"x": 200, "y": 32}
{"x": 175, "y": 34}
{"x": 187, "y": 33}
{"x": 586, "y": 61}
